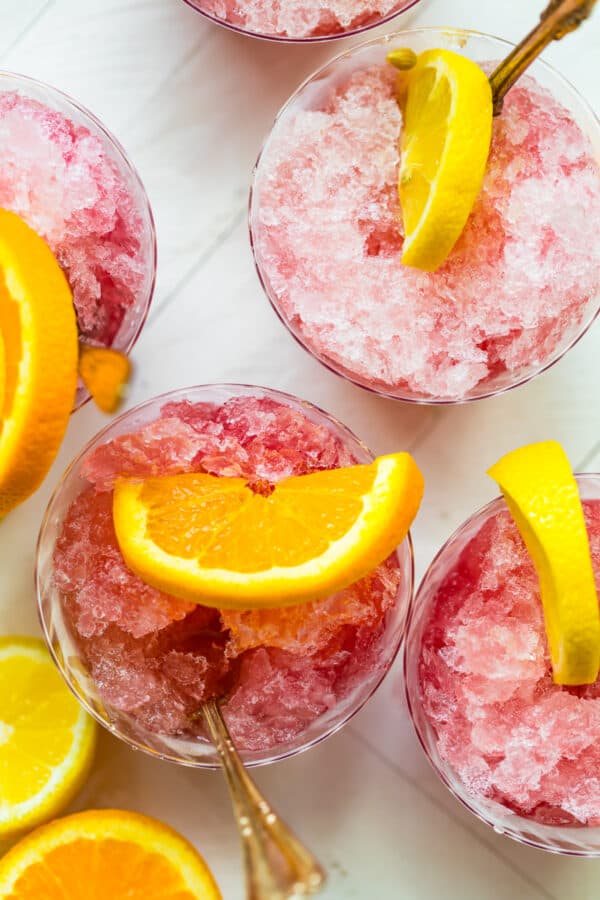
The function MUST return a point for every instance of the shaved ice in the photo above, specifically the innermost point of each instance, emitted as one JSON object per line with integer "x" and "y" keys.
{"x": 156, "y": 658}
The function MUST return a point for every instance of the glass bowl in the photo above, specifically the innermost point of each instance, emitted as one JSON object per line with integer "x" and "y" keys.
{"x": 135, "y": 316}
{"x": 574, "y": 840}
{"x": 195, "y": 751}
{"x": 400, "y": 7}
{"x": 313, "y": 316}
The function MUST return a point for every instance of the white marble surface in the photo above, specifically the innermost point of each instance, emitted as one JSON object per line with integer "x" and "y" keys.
{"x": 191, "y": 102}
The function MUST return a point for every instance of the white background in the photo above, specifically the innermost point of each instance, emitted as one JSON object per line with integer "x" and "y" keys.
{"x": 192, "y": 102}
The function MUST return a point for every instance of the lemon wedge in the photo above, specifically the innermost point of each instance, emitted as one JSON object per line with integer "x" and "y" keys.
{"x": 219, "y": 542}
{"x": 542, "y": 495}
{"x": 444, "y": 150}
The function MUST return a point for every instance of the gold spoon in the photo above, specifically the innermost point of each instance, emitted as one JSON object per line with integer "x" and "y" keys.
{"x": 276, "y": 863}
{"x": 560, "y": 18}
{"x": 557, "y": 20}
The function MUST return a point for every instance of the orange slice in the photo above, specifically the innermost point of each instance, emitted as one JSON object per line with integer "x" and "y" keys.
{"x": 39, "y": 331}
{"x": 105, "y": 855}
{"x": 218, "y": 542}
{"x": 105, "y": 373}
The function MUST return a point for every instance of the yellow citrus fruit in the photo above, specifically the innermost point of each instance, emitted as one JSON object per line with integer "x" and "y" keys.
{"x": 105, "y": 373}
{"x": 39, "y": 331}
{"x": 105, "y": 855}
{"x": 543, "y": 498}
{"x": 219, "y": 542}
{"x": 444, "y": 150}
{"x": 46, "y": 739}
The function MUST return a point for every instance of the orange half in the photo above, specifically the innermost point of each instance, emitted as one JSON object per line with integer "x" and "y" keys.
{"x": 39, "y": 380}
{"x": 105, "y": 855}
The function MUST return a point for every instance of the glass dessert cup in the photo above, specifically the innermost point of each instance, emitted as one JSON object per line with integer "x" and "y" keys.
{"x": 330, "y": 268}
{"x": 439, "y": 675}
{"x": 65, "y": 641}
{"x": 361, "y": 22}
{"x": 78, "y": 189}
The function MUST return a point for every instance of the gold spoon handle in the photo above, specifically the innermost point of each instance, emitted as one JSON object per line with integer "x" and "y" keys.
{"x": 277, "y": 865}
{"x": 560, "y": 17}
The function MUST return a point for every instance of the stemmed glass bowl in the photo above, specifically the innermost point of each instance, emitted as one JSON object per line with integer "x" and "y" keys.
{"x": 313, "y": 96}
{"x": 324, "y": 34}
{"x": 135, "y": 316}
{"x": 63, "y": 643}
{"x": 571, "y": 840}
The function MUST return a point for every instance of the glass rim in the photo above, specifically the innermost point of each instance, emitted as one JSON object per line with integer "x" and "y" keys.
{"x": 408, "y": 589}
{"x": 497, "y": 504}
{"x": 145, "y": 207}
{"x": 339, "y": 370}
{"x": 310, "y": 39}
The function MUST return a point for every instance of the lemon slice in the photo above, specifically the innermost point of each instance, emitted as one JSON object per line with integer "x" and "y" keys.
{"x": 46, "y": 739}
{"x": 109, "y": 854}
{"x": 39, "y": 331}
{"x": 543, "y": 498}
{"x": 444, "y": 150}
{"x": 217, "y": 542}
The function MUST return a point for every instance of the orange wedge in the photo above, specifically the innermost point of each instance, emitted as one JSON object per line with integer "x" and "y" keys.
{"x": 218, "y": 542}
{"x": 105, "y": 373}
{"x": 105, "y": 855}
{"x": 39, "y": 332}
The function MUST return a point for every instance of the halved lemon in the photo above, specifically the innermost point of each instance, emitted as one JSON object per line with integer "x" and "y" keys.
{"x": 39, "y": 331}
{"x": 105, "y": 855}
{"x": 46, "y": 739}
{"x": 543, "y": 498}
{"x": 219, "y": 542}
{"x": 445, "y": 145}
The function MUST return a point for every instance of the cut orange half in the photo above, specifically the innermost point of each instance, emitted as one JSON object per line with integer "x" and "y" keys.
{"x": 218, "y": 542}
{"x": 39, "y": 338}
{"x": 105, "y": 855}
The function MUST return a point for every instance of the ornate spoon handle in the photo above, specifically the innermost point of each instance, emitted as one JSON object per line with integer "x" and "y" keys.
{"x": 560, "y": 17}
{"x": 277, "y": 865}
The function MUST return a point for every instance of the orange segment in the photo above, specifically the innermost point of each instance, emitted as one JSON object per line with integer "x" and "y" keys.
{"x": 218, "y": 542}
{"x": 105, "y": 855}
{"x": 105, "y": 373}
{"x": 39, "y": 332}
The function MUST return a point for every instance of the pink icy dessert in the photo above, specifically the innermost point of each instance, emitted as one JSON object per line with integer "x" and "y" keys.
{"x": 64, "y": 175}
{"x": 288, "y": 676}
{"x": 517, "y": 290}
{"x": 505, "y": 736}
{"x": 302, "y": 19}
